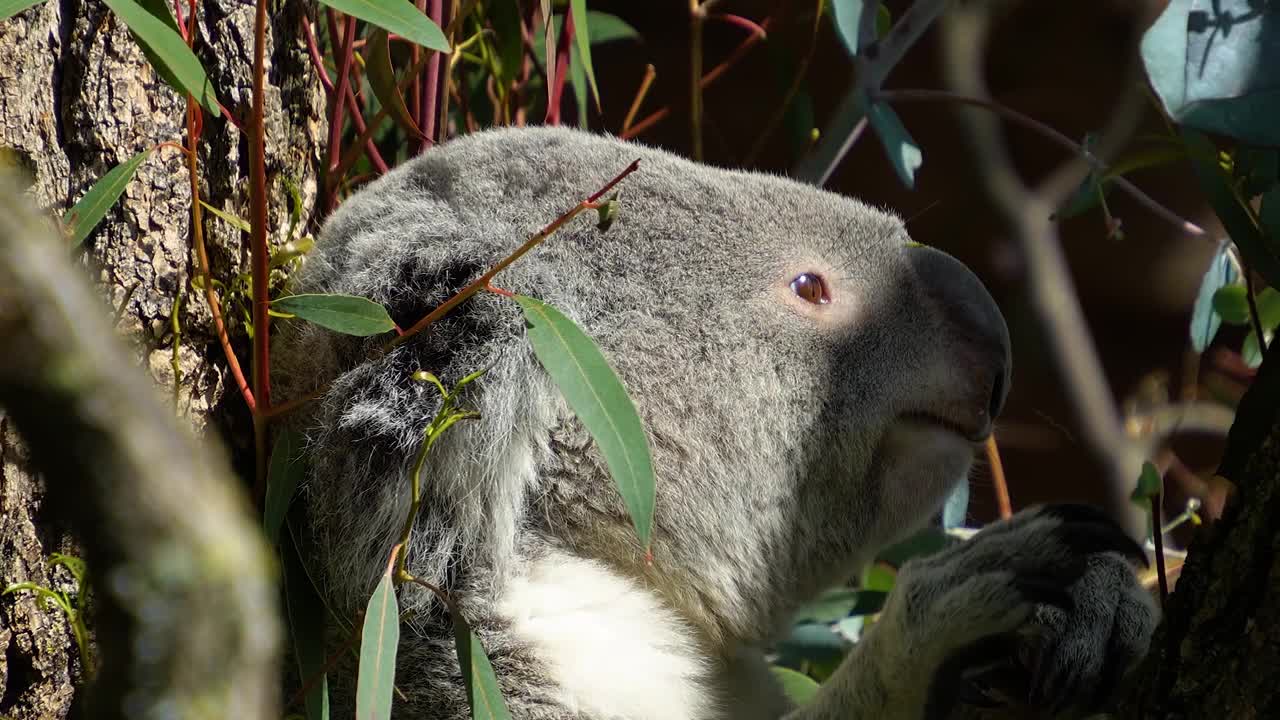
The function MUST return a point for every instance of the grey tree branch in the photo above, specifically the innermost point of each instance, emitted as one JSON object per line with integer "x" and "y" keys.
{"x": 185, "y": 599}
{"x": 1026, "y": 215}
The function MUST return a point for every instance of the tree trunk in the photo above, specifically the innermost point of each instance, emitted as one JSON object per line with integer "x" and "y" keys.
{"x": 77, "y": 97}
{"x": 1217, "y": 653}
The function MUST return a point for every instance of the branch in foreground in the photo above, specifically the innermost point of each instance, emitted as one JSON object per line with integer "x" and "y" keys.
{"x": 162, "y": 519}
{"x": 1053, "y": 297}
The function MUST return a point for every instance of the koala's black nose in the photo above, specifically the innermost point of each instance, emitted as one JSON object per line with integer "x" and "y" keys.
{"x": 973, "y": 335}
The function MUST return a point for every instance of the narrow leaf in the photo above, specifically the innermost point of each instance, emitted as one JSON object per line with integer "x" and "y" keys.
{"x": 234, "y": 221}
{"x": 594, "y": 392}
{"x": 282, "y": 478}
{"x": 377, "y": 61}
{"x": 798, "y": 687}
{"x": 306, "y": 627}
{"x": 902, "y": 149}
{"x": 1234, "y": 216}
{"x": 483, "y": 692}
{"x": 582, "y": 36}
{"x": 396, "y": 16}
{"x": 606, "y": 28}
{"x": 1250, "y": 352}
{"x": 9, "y": 8}
{"x": 346, "y": 314}
{"x": 156, "y": 31}
{"x": 549, "y": 34}
{"x": 578, "y": 81}
{"x": 378, "y": 642}
{"x": 1149, "y": 485}
{"x": 85, "y": 215}
{"x": 1205, "y": 321}
{"x": 848, "y": 15}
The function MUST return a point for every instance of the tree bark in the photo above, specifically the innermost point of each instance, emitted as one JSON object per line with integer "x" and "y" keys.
{"x": 77, "y": 97}
{"x": 1217, "y": 653}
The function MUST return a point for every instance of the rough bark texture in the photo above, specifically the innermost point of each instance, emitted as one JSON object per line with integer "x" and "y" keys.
{"x": 77, "y": 97}
{"x": 1217, "y": 654}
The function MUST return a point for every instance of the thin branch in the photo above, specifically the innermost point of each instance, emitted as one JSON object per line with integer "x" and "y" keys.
{"x": 716, "y": 72}
{"x": 1053, "y": 296}
{"x": 431, "y": 85}
{"x": 313, "y": 51}
{"x": 998, "y": 479}
{"x": 645, "y": 83}
{"x": 1049, "y": 133}
{"x": 260, "y": 257}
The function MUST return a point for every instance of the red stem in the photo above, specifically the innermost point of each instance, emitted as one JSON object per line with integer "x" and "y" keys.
{"x": 562, "y": 71}
{"x": 429, "y": 98}
{"x": 313, "y": 49}
{"x": 371, "y": 149}
{"x": 659, "y": 115}
{"x": 259, "y": 256}
{"x": 335, "y": 120}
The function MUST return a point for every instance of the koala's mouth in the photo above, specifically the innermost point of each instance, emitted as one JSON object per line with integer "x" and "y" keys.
{"x": 974, "y": 432}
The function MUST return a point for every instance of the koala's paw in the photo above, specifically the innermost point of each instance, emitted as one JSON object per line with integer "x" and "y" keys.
{"x": 1044, "y": 610}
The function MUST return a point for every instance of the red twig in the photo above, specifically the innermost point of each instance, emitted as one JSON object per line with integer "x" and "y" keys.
{"x": 998, "y": 480}
{"x": 431, "y": 85}
{"x": 313, "y": 50}
{"x": 370, "y": 148}
{"x": 337, "y": 106}
{"x": 562, "y": 71}
{"x": 743, "y": 48}
{"x": 483, "y": 281}
{"x": 259, "y": 256}
{"x": 741, "y": 22}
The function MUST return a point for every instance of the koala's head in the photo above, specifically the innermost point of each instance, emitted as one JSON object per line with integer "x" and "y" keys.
{"x": 813, "y": 383}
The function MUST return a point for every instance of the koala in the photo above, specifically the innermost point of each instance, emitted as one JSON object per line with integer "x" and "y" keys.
{"x": 812, "y": 383}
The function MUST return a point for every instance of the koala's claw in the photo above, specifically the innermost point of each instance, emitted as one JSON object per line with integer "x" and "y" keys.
{"x": 1046, "y": 606}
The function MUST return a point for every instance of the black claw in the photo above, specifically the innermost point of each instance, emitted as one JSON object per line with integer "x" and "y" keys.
{"x": 1087, "y": 538}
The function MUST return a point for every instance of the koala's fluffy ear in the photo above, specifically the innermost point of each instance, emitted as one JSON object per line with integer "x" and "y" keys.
{"x": 403, "y": 243}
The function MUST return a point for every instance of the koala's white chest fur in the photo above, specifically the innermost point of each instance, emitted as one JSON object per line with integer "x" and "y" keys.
{"x": 614, "y": 650}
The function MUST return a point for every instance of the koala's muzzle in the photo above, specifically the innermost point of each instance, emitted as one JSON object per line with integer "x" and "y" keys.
{"x": 973, "y": 341}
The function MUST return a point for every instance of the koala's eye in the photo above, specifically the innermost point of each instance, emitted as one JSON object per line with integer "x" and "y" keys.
{"x": 810, "y": 288}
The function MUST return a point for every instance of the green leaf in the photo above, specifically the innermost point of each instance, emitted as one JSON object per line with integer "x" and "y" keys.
{"x": 798, "y": 687}
{"x": 1149, "y": 485}
{"x": 396, "y": 16}
{"x": 1229, "y": 208}
{"x": 884, "y": 21}
{"x": 233, "y": 220}
{"x": 594, "y": 392}
{"x": 377, "y": 674}
{"x": 925, "y": 542}
{"x": 9, "y": 8}
{"x": 75, "y": 565}
{"x": 156, "y": 31}
{"x": 812, "y": 642}
{"x": 346, "y": 314}
{"x": 582, "y": 36}
{"x": 879, "y": 576}
{"x": 1205, "y": 320}
{"x": 1249, "y": 351}
{"x": 85, "y": 215}
{"x": 1086, "y": 197}
{"x": 285, "y": 471}
{"x": 828, "y": 607}
{"x": 306, "y": 627}
{"x": 848, "y": 20}
{"x": 377, "y": 63}
{"x": 902, "y": 149}
{"x": 1212, "y": 64}
{"x": 1231, "y": 303}
{"x": 483, "y": 692}
{"x": 606, "y": 28}
{"x": 578, "y": 82}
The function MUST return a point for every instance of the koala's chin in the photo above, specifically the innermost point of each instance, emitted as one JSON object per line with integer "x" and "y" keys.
{"x": 812, "y": 385}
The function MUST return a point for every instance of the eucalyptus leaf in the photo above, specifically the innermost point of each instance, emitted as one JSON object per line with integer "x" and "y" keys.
{"x": 9, "y": 8}
{"x": 595, "y": 394}
{"x": 1149, "y": 485}
{"x": 483, "y": 693}
{"x": 346, "y": 314}
{"x": 798, "y": 687}
{"x": 1212, "y": 63}
{"x": 306, "y": 628}
{"x": 1231, "y": 303}
{"x": 901, "y": 148}
{"x": 378, "y": 643}
{"x": 1205, "y": 320}
{"x": 582, "y": 37}
{"x": 848, "y": 16}
{"x": 396, "y": 16}
{"x": 283, "y": 475}
{"x": 156, "y": 32}
{"x": 85, "y": 215}
{"x": 382, "y": 78}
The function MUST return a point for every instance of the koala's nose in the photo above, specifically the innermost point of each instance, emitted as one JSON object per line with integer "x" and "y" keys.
{"x": 975, "y": 336}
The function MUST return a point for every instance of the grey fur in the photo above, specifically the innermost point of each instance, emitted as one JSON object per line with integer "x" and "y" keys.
{"x": 777, "y": 429}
